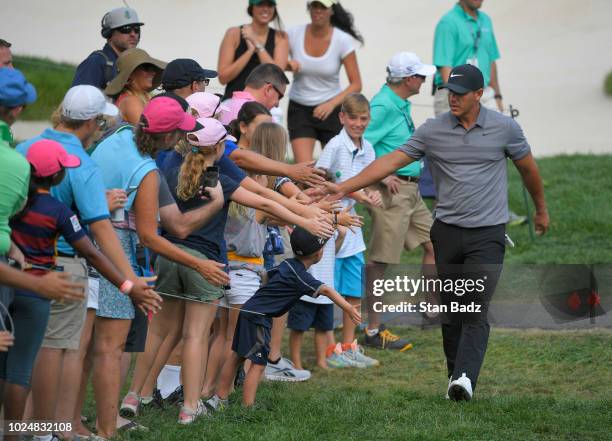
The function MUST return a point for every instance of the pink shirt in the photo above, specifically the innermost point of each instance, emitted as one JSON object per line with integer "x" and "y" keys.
{"x": 234, "y": 104}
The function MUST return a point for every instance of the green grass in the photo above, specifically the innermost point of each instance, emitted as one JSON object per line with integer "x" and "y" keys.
{"x": 534, "y": 385}
{"x": 608, "y": 84}
{"x": 578, "y": 196}
{"x": 51, "y": 79}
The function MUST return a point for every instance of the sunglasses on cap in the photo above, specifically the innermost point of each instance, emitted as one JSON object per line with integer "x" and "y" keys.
{"x": 128, "y": 29}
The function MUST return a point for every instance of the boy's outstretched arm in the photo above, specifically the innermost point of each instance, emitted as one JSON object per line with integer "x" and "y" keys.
{"x": 335, "y": 297}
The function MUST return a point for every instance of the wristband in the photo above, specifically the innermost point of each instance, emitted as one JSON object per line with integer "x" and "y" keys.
{"x": 260, "y": 47}
{"x": 126, "y": 287}
{"x": 497, "y": 96}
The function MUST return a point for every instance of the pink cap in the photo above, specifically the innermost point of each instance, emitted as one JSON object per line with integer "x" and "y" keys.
{"x": 163, "y": 115}
{"x": 212, "y": 133}
{"x": 49, "y": 157}
{"x": 207, "y": 105}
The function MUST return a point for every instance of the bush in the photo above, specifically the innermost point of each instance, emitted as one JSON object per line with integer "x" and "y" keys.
{"x": 608, "y": 84}
{"x": 51, "y": 80}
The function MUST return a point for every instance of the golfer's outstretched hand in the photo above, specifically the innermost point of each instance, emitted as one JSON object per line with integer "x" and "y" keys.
{"x": 541, "y": 221}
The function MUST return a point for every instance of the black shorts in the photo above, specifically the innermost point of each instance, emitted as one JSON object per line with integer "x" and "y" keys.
{"x": 302, "y": 124}
{"x": 252, "y": 339}
{"x": 137, "y": 337}
{"x": 305, "y": 315}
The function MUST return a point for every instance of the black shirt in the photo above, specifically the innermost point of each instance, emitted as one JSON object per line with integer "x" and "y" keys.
{"x": 208, "y": 240}
{"x": 287, "y": 282}
{"x": 238, "y": 82}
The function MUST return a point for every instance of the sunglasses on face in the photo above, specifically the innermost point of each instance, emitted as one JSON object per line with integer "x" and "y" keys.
{"x": 128, "y": 29}
{"x": 206, "y": 81}
{"x": 280, "y": 94}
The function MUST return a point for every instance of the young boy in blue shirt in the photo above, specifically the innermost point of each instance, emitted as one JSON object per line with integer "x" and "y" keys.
{"x": 286, "y": 284}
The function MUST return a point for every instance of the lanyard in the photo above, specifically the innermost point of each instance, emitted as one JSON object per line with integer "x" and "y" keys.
{"x": 476, "y": 36}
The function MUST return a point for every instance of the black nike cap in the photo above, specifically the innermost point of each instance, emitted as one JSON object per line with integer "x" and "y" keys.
{"x": 463, "y": 79}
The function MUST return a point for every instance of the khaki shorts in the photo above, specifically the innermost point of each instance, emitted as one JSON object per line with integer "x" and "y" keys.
{"x": 66, "y": 320}
{"x": 403, "y": 223}
{"x": 179, "y": 280}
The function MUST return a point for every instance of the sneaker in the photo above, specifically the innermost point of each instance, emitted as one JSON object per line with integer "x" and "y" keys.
{"x": 240, "y": 376}
{"x": 176, "y": 397}
{"x": 188, "y": 416}
{"x": 450, "y": 380}
{"x": 284, "y": 370}
{"x": 356, "y": 354}
{"x": 154, "y": 402}
{"x": 215, "y": 403}
{"x": 460, "y": 389}
{"x": 385, "y": 339}
{"x": 339, "y": 360}
{"x": 129, "y": 405}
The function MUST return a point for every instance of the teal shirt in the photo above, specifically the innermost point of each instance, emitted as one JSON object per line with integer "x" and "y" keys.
{"x": 391, "y": 126}
{"x": 456, "y": 38}
{"x": 14, "y": 182}
{"x": 5, "y": 133}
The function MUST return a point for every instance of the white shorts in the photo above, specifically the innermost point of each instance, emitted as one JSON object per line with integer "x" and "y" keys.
{"x": 244, "y": 283}
{"x": 93, "y": 285}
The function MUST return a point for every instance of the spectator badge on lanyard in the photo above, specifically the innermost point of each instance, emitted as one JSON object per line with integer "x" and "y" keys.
{"x": 473, "y": 60}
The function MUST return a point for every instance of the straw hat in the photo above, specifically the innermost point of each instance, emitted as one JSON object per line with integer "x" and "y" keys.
{"x": 127, "y": 63}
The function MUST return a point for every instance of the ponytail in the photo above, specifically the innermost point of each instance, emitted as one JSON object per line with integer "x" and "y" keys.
{"x": 190, "y": 174}
{"x": 343, "y": 20}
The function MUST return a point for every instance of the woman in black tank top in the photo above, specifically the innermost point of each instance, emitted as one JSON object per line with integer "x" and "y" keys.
{"x": 245, "y": 47}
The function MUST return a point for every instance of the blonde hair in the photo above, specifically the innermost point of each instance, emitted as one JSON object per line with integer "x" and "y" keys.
{"x": 194, "y": 163}
{"x": 355, "y": 103}
{"x": 270, "y": 140}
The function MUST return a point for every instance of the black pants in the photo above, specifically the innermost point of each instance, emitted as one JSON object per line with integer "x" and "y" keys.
{"x": 462, "y": 254}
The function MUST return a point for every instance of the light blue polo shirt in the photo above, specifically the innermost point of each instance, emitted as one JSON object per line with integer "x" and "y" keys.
{"x": 82, "y": 190}
{"x": 457, "y": 35}
{"x": 391, "y": 126}
{"x": 121, "y": 164}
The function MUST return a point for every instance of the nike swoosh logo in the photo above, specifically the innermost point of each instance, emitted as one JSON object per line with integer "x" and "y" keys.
{"x": 456, "y": 75}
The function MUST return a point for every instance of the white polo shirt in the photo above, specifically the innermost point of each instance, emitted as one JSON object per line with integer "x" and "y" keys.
{"x": 324, "y": 270}
{"x": 345, "y": 160}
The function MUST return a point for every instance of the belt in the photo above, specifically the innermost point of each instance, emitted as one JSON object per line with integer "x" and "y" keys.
{"x": 408, "y": 178}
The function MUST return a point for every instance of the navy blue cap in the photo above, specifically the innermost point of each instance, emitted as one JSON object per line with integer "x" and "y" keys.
{"x": 15, "y": 89}
{"x": 182, "y": 71}
{"x": 463, "y": 79}
{"x": 304, "y": 243}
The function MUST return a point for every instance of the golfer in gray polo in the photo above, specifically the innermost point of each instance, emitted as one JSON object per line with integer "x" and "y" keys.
{"x": 467, "y": 149}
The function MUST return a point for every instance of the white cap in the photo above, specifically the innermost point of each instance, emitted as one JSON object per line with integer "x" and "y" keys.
{"x": 407, "y": 64}
{"x": 86, "y": 102}
{"x": 120, "y": 17}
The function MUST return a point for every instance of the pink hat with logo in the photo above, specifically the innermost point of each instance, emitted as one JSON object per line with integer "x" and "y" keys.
{"x": 211, "y": 134}
{"x": 163, "y": 115}
{"x": 208, "y": 105}
{"x": 49, "y": 157}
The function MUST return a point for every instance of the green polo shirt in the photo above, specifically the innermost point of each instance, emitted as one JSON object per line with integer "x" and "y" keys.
{"x": 14, "y": 181}
{"x": 391, "y": 126}
{"x": 5, "y": 133}
{"x": 456, "y": 38}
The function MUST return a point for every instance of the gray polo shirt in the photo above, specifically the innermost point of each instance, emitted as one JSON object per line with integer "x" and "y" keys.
{"x": 469, "y": 166}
